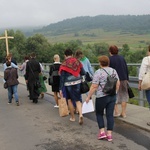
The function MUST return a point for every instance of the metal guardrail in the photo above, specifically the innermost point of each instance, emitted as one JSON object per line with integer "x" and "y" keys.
{"x": 133, "y": 81}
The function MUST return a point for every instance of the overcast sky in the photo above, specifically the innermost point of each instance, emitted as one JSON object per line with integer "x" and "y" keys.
{"x": 15, "y": 13}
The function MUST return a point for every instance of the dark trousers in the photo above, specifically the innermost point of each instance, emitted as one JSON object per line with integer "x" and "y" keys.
{"x": 147, "y": 92}
{"x": 34, "y": 93}
{"x": 108, "y": 103}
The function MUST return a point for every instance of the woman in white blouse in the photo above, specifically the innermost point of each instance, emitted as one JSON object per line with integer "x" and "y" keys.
{"x": 145, "y": 67}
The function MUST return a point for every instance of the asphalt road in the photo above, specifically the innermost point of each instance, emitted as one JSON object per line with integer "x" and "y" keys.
{"x": 39, "y": 127}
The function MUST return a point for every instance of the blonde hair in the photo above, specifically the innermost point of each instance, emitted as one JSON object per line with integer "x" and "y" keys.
{"x": 56, "y": 57}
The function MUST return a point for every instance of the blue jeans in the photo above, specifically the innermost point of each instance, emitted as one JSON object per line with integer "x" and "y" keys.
{"x": 12, "y": 90}
{"x": 147, "y": 92}
{"x": 108, "y": 103}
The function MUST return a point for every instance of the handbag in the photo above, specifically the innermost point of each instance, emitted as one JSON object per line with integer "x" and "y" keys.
{"x": 84, "y": 87}
{"x": 130, "y": 92}
{"x": 37, "y": 84}
{"x": 5, "y": 85}
{"x": 44, "y": 78}
{"x": 63, "y": 107}
{"x": 110, "y": 86}
{"x": 88, "y": 77}
{"x": 145, "y": 85}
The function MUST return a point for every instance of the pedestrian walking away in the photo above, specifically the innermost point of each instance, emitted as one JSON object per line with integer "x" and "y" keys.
{"x": 10, "y": 77}
{"x": 119, "y": 64}
{"x": 71, "y": 71}
{"x": 145, "y": 68}
{"x": 56, "y": 78}
{"x": 32, "y": 75}
{"x": 103, "y": 100}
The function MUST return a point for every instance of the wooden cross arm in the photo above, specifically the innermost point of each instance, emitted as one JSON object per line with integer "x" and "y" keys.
{"x": 9, "y": 37}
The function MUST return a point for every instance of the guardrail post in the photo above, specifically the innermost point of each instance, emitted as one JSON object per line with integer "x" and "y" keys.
{"x": 141, "y": 98}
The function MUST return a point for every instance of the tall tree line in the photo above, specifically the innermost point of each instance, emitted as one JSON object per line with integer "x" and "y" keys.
{"x": 22, "y": 45}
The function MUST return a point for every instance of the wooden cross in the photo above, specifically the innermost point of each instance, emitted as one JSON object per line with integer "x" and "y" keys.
{"x": 6, "y": 38}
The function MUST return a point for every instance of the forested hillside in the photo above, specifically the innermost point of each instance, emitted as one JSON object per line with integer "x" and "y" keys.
{"x": 128, "y": 23}
{"x": 93, "y": 35}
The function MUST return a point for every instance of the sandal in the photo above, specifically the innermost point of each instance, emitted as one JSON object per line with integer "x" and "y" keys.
{"x": 72, "y": 119}
{"x": 116, "y": 115}
{"x": 81, "y": 120}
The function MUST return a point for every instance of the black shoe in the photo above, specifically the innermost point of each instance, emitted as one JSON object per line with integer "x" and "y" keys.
{"x": 36, "y": 101}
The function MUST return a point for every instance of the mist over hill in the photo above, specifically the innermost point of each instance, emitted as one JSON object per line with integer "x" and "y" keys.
{"x": 127, "y": 23}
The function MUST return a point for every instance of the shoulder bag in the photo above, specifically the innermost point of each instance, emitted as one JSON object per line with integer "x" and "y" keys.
{"x": 44, "y": 78}
{"x": 130, "y": 92}
{"x": 88, "y": 78}
{"x": 84, "y": 87}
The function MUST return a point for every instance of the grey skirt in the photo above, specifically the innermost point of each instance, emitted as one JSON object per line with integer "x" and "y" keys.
{"x": 122, "y": 95}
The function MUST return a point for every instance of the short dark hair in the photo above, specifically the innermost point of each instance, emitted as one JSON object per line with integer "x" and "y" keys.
{"x": 113, "y": 49}
{"x": 26, "y": 57}
{"x": 104, "y": 60}
{"x": 68, "y": 52}
{"x": 33, "y": 55}
{"x": 78, "y": 53}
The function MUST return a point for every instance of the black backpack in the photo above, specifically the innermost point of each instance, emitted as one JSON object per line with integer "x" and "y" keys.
{"x": 110, "y": 86}
{"x": 54, "y": 73}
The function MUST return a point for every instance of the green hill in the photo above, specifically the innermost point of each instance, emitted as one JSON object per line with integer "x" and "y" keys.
{"x": 123, "y": 29}
{"x": 129, "y": 23}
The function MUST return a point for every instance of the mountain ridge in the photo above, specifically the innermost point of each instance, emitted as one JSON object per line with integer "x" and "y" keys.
{"x": 138, "y": 24}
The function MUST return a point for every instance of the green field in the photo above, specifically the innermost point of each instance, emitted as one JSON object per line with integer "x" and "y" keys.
{"x": 135, "y": 41}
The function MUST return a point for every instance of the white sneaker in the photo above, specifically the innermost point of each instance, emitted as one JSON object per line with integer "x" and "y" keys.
{"x": 56, "y": 106}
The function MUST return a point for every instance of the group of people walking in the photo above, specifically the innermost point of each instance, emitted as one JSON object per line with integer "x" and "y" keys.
{"x": 32, "y": 71}
{"x": 67, "y": 84}
{"x": 71, "y": 71}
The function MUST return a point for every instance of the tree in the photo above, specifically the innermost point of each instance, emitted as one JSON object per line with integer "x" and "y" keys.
{"x": 125, "y": 50}
{"x": 38, "y": 44}
{"x": 101, "y": 49}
